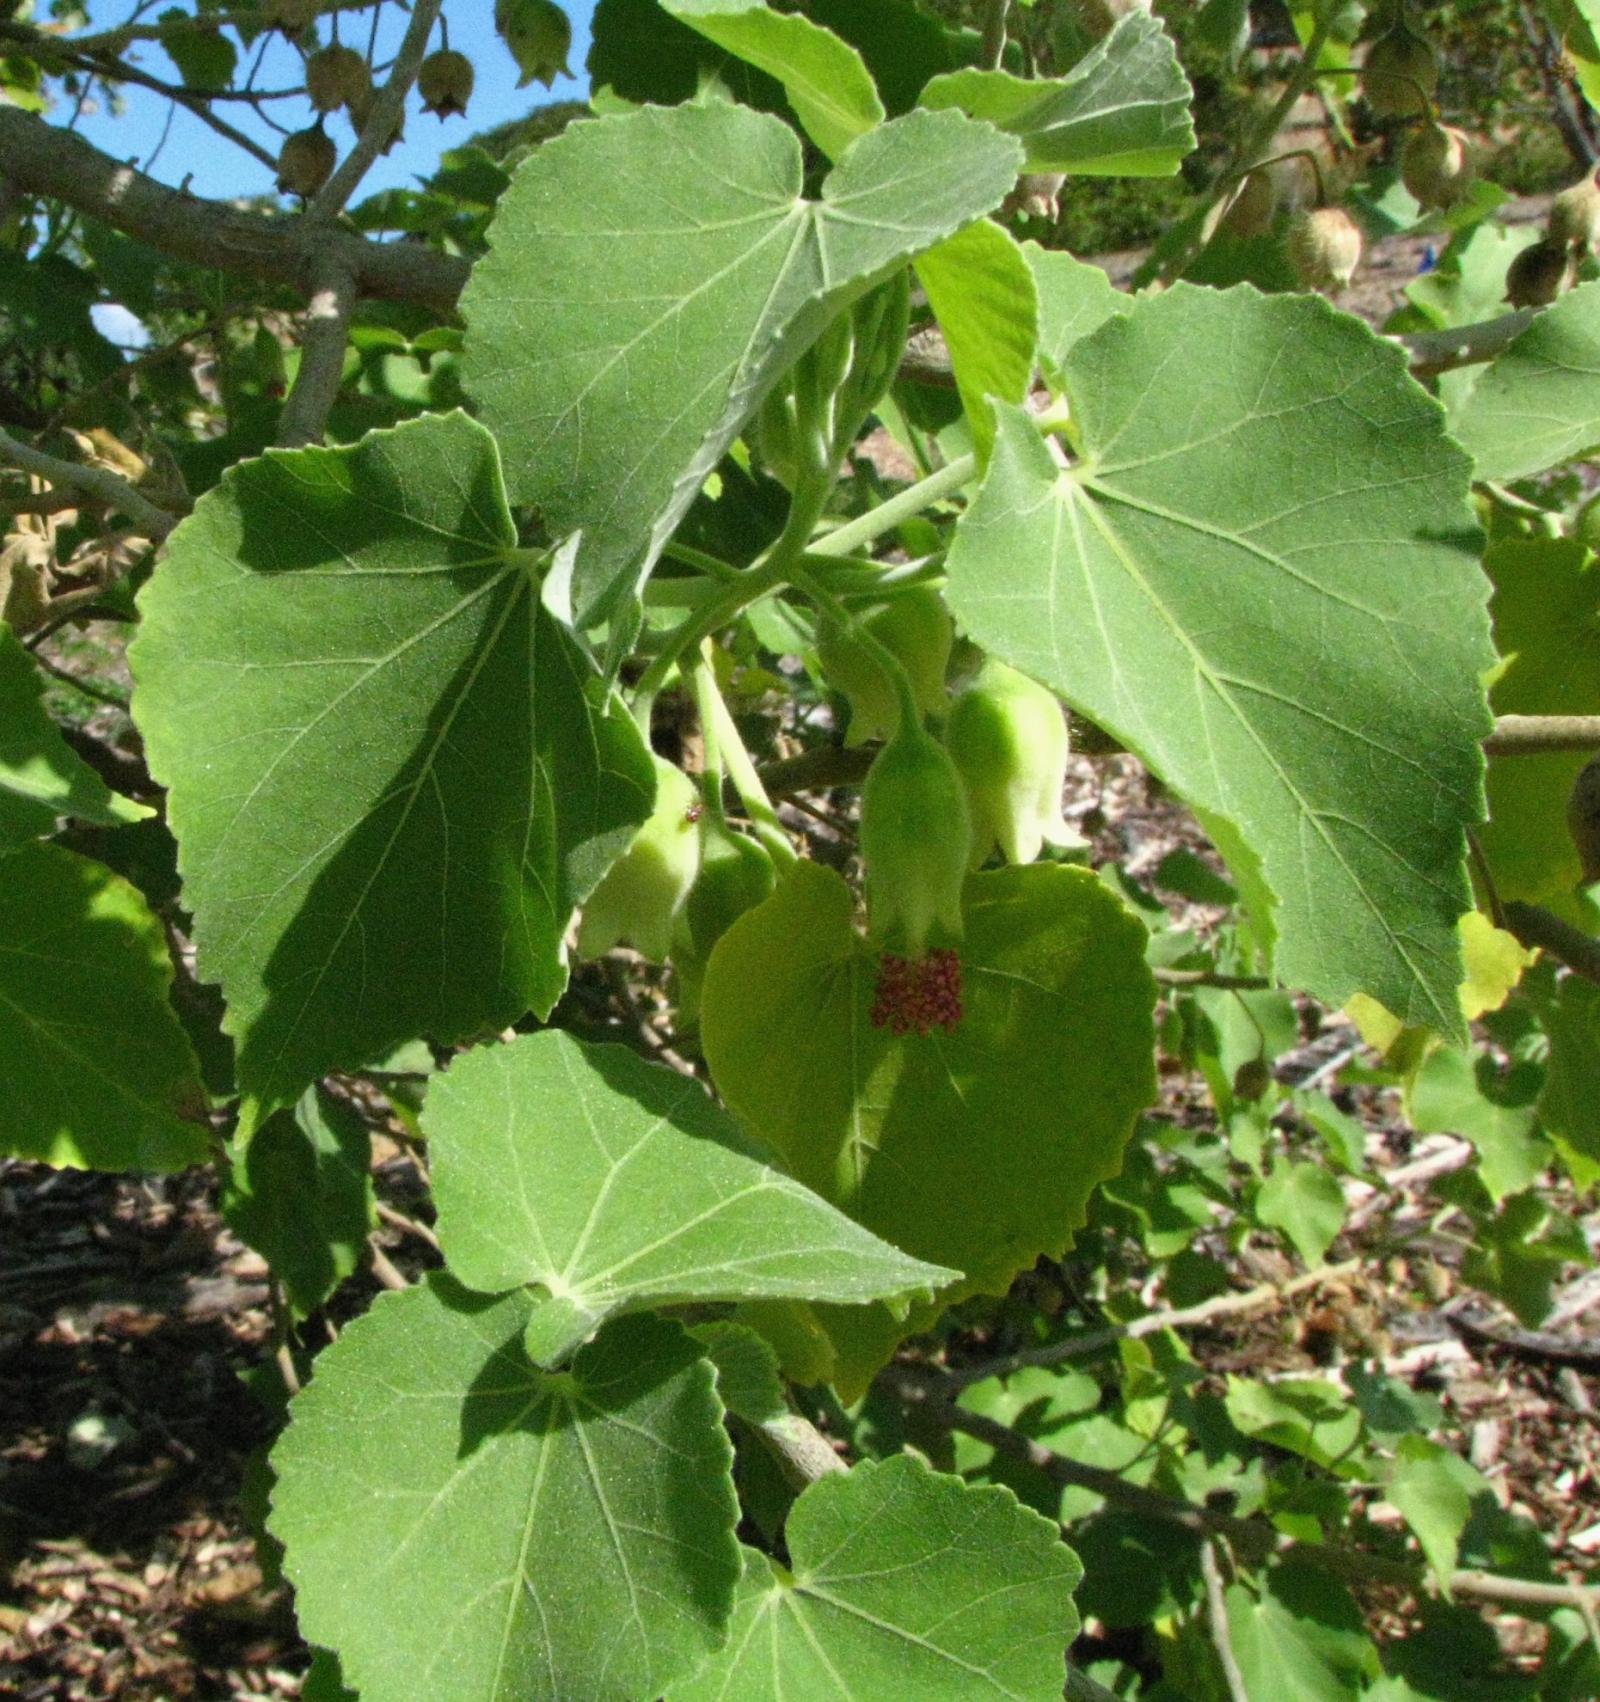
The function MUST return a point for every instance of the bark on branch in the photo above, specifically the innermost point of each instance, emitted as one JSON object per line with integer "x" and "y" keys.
{"x": 43, "y": 159}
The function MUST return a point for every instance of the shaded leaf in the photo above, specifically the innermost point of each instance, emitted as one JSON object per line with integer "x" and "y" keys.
{"x": 617, "y": 1184}
{"x": 1434, "y": 1490}
{"x": 464, "y": 1527}
{"x": 392, "y": 774}
{"x": 1260, "y": 575}
{"x": 1306, "y": 1202}
{"x": 94, "y": 1067}
{"x": 41, "y": 778}
{"x": 1300, "y": 1639}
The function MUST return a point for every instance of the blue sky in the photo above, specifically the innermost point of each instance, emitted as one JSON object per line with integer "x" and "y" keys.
{"x": 215, "y": 167}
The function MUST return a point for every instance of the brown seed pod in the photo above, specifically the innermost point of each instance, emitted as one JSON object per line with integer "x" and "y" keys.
{"x": 1325, "y": 249}
{"x": 444, "y": 81}
{"x": 1574, "y": 220}
{"x": 1434, "y": 165}
{"x": 1539, "y": 274}
{"x": 306, "y": 162}
{"x": 338, "y": 76}
{"x": 1583, "y": 818}
{"x": 1399, "y": 74}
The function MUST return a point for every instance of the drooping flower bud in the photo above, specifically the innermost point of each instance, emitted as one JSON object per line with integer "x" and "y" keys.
{"x": 915, "y": 839}
{"x": 539, "y": 35}
{"x": 1574, "y": 220}
{"x": 1400, "y": 74}
{"x": 736, "y": 874}
{"x": 1583, "y": 818}
{"x": 1434, "y": 165}
{"x": 306, "y": 162}
{"x": 914, "y": 625}
{"x": 641, "y": 898}
{"x": 338, "y": 76}
{"x": 444, "y": 80}
{"x": 290, "y": 16}
{"x": 1325, "y": 248}
{"x": 1008, "y": 740}
{"x": 1253, "y": 207}
{"x": 1539, "y": 274}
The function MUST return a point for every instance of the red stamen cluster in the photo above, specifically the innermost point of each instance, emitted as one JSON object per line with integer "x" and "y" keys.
{"x": 917, "y": 993}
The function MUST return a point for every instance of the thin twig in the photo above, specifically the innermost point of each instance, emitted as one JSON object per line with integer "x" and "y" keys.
{"x": 383, "y": 1268}
{"x": 99, "y": 482}
{"x": 388, "y": 108}
{"x": 1180, "y": 1318}
{"x": 1217, "y": 1614}
{"x": 1535, "y": 926}
{"x": 1212, "y": 978}
{"x": 1536, "y": 735}
{"x": 409, "y": 1225}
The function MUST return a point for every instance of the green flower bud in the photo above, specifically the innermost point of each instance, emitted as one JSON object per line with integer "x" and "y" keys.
{"x": 915, "y": 839}
{"x": 1399, "y": 74}
{"x": 917, "y": 628}
{"x": 539, "y": 35}
{"x": 736, "y": 874}
{"x": 1574, "y": 220}
{"x": 1434, "y": 165}
{"x": 1325, "y": 248}
{"x": 444, "y": 80}
{"x": 1583, "y": 819}
{"x": 643, "y": 894}
{"x": 1008, "y": 739}
{"x": 1539, "y": 274}
{"x": 306, "y": 161}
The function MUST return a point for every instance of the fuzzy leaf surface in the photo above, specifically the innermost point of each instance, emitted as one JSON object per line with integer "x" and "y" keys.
{"x": 391, "y": 773}
{"x": 1260, "y": 574}
{"x": 978, "y": 1148}
{"x": 41, "y": 777}
{"x": 94, "y": 1066}
{"x": 825, "y": 79}
{"x": 617, "y": 1184}
{"x": 651, "y": 276}
{"x": 904, "y": 1582}
{"x": 1121, "y": 111}
{"x": 463, "y": 1527}
{"x": 1538, "y": 404}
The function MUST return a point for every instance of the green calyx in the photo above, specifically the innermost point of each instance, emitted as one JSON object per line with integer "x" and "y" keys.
{"x": 1008, "y": 740}
{"x": 642, "y": 897}
{"x": 1400, "y": 74}
{"x": 915, "y": 839}
{"x": 916, "y": 628}
{"x": 736, "y": 874}
{"x": 539, "y": 35}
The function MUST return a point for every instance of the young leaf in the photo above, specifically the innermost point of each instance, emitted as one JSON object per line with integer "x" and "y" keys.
{"x": 41, "y": 777}
{"x": 901, "y": 1582}
{"x": 1301, "y": 1639}
{"x": 619, "y": 1184}
{"x": 827, "y": 84}
{"x": 976, "y": 1148}
{"x": 1448, "y": 1096}
{"x": 1121, "y": 111}
{"x": 300, "y": 1193}
{"x": 1536, "y": 405}
{"x": 464, "y": 1527}
{"x": 982, "y": 293}
{"x": 1434, "y": 1490}
{"x": 94, "y": 1066}
{"x": 620, "y": 330}
{"x": 1260, "y": 575}
{"x": 1546, "y": 614}
{"x": 392, "y": 774}
{"x": 1306, "y": 1203}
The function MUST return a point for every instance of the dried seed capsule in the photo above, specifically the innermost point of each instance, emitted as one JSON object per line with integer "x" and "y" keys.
{"x": 1434, "y": 165}
{"x": 1008, "y": 739}
{"x": 1253, "y": 207}
{"x": 1583, "y": 818}
{"x": 1539, "y": 274}
{"x": 1325, "y": 248}
{"x": 305, "y": 162}
{"x": 1574, "y": 220}
{"x": 1399, "y": 75}
{"x": 642, "y": 896}
{"x": 914, "y": 843}
{"x": 917, "y": 628}
{"x": 338, "y": 76}
{"x": 444, "y": 80}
